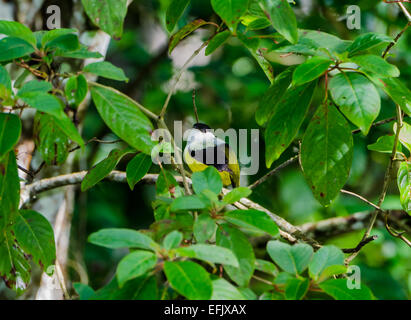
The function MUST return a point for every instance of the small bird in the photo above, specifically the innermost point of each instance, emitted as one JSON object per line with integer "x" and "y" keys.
{"x": 204, "y": 149}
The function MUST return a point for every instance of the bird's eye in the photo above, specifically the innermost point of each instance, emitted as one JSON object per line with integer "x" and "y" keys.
{"x": 192, "y": 153}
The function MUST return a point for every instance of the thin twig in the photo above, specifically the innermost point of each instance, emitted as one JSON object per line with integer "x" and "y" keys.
{"x": 399, "y": 235}
{"x": 360, "y": 245}
{"x": 194, "y": 105}
{"x": 391, "y": 44}
{"x": 361, "y": 198}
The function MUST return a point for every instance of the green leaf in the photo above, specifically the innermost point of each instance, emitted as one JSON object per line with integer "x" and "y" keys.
{"x": 282, "y": 18}
{"x": 137, "y": 168}
{"x": 115, "y": 238}
{"x": 5, "y": 78}
{"x": 325, "y": 257}
{"x": 224, "y": 290}
{"x": 10, "y": 130}
{"x": 167, "y": 185}
{"x": 230, "y": 11}
{"x": 272, "y": 96}
{"x": 17, "y": 30}
{"x": 237, "y": 194}
{"x": 189, "y": 279}
{"x": 327, "y": 153}
{"x": 248, "y": 293}
{"x": 404, "y": 185}
{"x": 252, "y": 219}
{"x": 255, "y": 22}
{"x": 134, "y": 265}
{"x": 287, "y": 118}
{"x": 209, "y": 253}
{"x": 296, "y": 289}
{"x": 271, "y": 295}
{"x": 35, "y": 236}
{"x": 292, "y": 259}
{"x": 106, "y": 70}
{"x": 217, "y": 41}
{"x": 172, "y": 240}
{"x": 384, "y": 144}
{"x": 204, "y": 228}
{"x": 13, "y": 48}
{"x": 76, "y": 90}
{"x": 43, "y": 102}
{"x": 83, "y": 290}
{"x": 404, "y": 135}
{"x": 108, "y": 15}
{"x": 376, "y": 64}
{"x": 207, "y": 179}
{"x": 123, "y": 117}
{"x": 9, "y": 190}
{"x": 174, "y": 12}
{"x": 188, "y": 203}
{"x": 184, "y": 32}
{"x": 81, "y": 53}
{"x": 239, "y": 244}
{"x": 357, "y": 98}
{"x": 338, "y": 289}
{"x": 54, "y": 34}
{"x": 64, "y": 43}
{"x": 103, "y": 168}
{"x": 310, "y": 70}
{"x": 14, "y": 264}
{"x": 35, "y": 86}
{"x": 266, "y": 266}
{"x": 367, "y": 41}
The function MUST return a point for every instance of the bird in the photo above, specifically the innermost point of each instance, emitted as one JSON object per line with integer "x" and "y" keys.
{"x": 204, "y": 149}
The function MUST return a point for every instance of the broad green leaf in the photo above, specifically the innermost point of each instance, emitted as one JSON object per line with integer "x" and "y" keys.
{"x": 134, "y": 265}
{"x": 271, "y": 295}
{"x": 404, "y": 135}
{"x": 230, "y": 11}
{"x": 207, "y": 179}
{"x": 248, "y": 293}
{"x": 367, "y": 41}
{"x": 252, "y": 219}
{"x": 108, "y": 15}
{"x": 50, "y": 140}
{"x": 338, "y": 289}
{"x": 121, "y": 238}
{"x": 376, "y": 64}
{"x": 184, "y": 32}
{"x": 14, "y": 264}
{"x": 236, "y": 194}
{"x": 172, "y": 240}
{"x": 103, "y": 168}
{"x": 123, "y": 117}
{"x": 76, "y": 90}
{"x": 287, "y": 118}
{"x": 296, "y": 289}
{"x": 9, "y": 190}
{"x": 204, "y": 228}
{"x": 189, "y": 279}
{"x": 266, "y": 266}
{"x": 272, "y": 96}
{"x": 384, "y": 144}
{"x": 84, "y": 291}
{"x": 54, "y": 34}
{"x": 404, "y": 185}
{"x": 35, "y": 86}
{"x": 106, "y": 70}
{"x": 255, "y": 22}
{"x": 64, "y": 43}
{"x": 13, "y": 48}
{"x": 174, "y": 12}
{"x": 395, "y": 89}
{"x": 327, "y": 153}
{"x": 10, "y": 130}
{"x": 282, "y": 18}
{"x": 292, "y": 259}
{"x": 239, "y": 244}
{"x": 224, "y": 290}
{"x": 43, "y": 102}
{"x": 35, "y": 236}
{"x": 357, "y": 98}
{"x": 310, "y": 70}
{"x": 325, "y": 257}
{"x": 81, "y": 53}
{"x": 137, "y": 168}
{"x": 17, "y": 30}
{"x": 188, "y": 203}
{"x": 332, "y": 271}
{"x": 217, "y": 41}
{"x": 67, "y": 126}
{"x": 5, "y": 78}
{"x": 209, "y": 253}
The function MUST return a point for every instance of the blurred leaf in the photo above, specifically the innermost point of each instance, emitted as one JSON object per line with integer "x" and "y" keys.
{"x": 292, "y": 259}
{"x": 384, "y": 144}
{"x": 310, "y": 70}
{"x": 35, "y": 86}
{"x": 367, "y": 41}
{"x": 204, "y": 228}
{"x": 83, "y": 290}
{"x": 325, "y": 257}
{"x": 376, "y": 64}
{"x": 189, "y": 279}
{"x": 404, "y": 185}
{"x": 224, "y": 290}
{"x": 188, "y": 203}
{"x": 217, "y": 41}
{"x": 357, "y": 98}
{"x": 266, "y": 266}
{"x": 134, "y": 265}
{"x": 252, "y": 219}
{"x": 35, "y": 236}
{"x": 338, "y": 289}
{"x": 65, "y": 43}
{"x": 121, "y": 238}
{"x": 106, "y": 70}
{"x": 327, "y": 153}
{"x": 54, "y": 34}
{"x": 76, "y": 90}
{"x": 296, "y": 289}
{"x": 404, "y": 135}
{"x": 10, "y": 130}
{"x": 137, "y": 168}
{"x": 207, "y": 179}
{"x": 209, "y": 253}
{"x": 184, "y": 32}
{"x": 172, "y": 240}
{"x": 5, "y": 78}
{"x": 17, "y": 30}
{"x": 174, "y": 12}
{"x": 237, "y": 194}
{"x": 13, "y": 48}
{"x": 230, "y": 11}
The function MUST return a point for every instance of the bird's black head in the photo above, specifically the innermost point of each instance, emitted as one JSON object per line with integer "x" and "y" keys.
{"x": 201, "y": 126}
